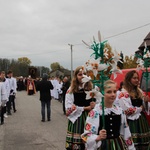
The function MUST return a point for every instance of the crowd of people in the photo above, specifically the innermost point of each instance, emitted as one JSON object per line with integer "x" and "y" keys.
{"x": 121, "y": 126}
{"x": 49, "y": 87}
{"x": 8, "y": 86}
{"x": 126, "y": 126}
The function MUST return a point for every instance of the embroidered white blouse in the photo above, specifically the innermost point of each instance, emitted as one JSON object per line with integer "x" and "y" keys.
{"x": 72, "y": 111}
{"x": 92, "y": 126}
{"x": 133, "y": 113}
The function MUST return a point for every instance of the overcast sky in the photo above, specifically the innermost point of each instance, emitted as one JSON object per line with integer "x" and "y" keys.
{"x": 42, "y": 29}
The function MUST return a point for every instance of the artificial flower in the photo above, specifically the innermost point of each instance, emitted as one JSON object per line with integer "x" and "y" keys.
{"x": 93, "y": 94}
{"x": 115, "y": 70}
{"x": 95, "y": 66}
{"x": 116, "y": 57}
{"x": 147, "y": 55}
{"x": 106, "y": 53}
{"x": 86, "y": 78}
{"x": 140, "y": 63}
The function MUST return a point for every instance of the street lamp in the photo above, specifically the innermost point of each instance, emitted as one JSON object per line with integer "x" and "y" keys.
{"x": 71, "y": 60}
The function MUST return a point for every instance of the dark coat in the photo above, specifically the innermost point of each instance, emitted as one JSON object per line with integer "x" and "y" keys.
{"x": 65, "y": 87}
{"x": 44, "y": 87}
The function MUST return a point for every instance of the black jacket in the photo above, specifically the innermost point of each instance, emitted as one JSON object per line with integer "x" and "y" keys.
{"x": 44, "y": 87}
{"x": 65, "y": 87}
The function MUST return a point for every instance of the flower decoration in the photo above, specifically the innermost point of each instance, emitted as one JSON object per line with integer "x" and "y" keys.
{"x": 100, "y": 65}
{"x": 140, "y": 63}
{"x": 123, "y": 94}
{"x": 91, "y": 114}
{"x": 70, "y": 110}
{"x": 116, "y": 57}
{"x": 95, "y": 66}
{"x": 88, "y": 126}
{"x": 94, "y": 94}
{"x": 147, "y": 55}
{"x": 129, "y": 141}
{"x": 143, "y": 62}
{"x": 130, "y": 111}
{"x": 93, "y": 129}
{"x": 115, "y": 70}
{"x": 86, "y": 78}
{"x": 106, "y": 53}
{"x": 84, "y": 137}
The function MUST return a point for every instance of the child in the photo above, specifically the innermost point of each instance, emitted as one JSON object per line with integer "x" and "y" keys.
{"x": 77, "y": 108}
{"x": 131, "y": 99}
{"x": 116, "y": 134}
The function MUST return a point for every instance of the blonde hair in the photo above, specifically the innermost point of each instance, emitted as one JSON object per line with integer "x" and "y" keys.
{"x": 106, "y": 83}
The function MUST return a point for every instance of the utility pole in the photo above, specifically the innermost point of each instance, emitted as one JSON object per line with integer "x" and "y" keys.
{"x": 71, "y": 60}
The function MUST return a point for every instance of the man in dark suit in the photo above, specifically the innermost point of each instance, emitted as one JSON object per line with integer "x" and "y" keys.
{"x": 64, "y": 88}
{"x": 44, "y": 87}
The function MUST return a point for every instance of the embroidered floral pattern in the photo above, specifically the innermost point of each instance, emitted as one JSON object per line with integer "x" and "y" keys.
{"x": 123, "y": 94}
{"x": 84, "y": 138}
{"x": 70, "y": 110}
{"x": 93, "y": 130}
{"x": 129, "y": 141}
{"x": 126, "y": 95}
{"x": 91, "y": 114}
{"x": 88, "y": 126}
{"x": 130, "y": 111}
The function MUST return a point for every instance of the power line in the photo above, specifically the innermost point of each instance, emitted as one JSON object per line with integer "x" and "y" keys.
{"x": 122, "y": 32}
{"x": 128, "y": 31}
{"x": 41, "y": 53}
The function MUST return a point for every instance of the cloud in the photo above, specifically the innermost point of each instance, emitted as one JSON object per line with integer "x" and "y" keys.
{"x": 42, "y": 29}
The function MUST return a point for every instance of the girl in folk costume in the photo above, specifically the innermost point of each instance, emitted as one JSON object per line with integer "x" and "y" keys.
{"x": 30, "y": 86}
{"x": 116, "y": 135}
{"x": 77, "y": 108}
{"x": 132, "y": 102}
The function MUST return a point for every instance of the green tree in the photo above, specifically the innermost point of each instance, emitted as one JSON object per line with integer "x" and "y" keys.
{"x": 129, "y": 62}
{"x": 24, "y": 60}
{"x": 55, "y": 66}
{"x": 41, "y": 70}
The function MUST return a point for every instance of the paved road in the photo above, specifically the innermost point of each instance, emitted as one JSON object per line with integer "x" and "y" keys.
{"x": 25, "y": 131}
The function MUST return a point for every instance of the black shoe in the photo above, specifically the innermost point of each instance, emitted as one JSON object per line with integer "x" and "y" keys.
{"x": 15, "y": 110}
{"x": 48, "y": 119}
{"x": 42, "y": 120}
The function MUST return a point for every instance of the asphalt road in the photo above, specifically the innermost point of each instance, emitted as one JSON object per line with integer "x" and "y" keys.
{"x": 24, "y": 130}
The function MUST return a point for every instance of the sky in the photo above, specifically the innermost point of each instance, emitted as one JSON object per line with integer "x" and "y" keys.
{"x": 42, "y": 30}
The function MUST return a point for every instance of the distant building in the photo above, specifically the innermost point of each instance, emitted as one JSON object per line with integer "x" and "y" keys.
{"x": 147, "y": 40}
{"x": 142, "y": 46}
{"x": 60, "y": 73}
